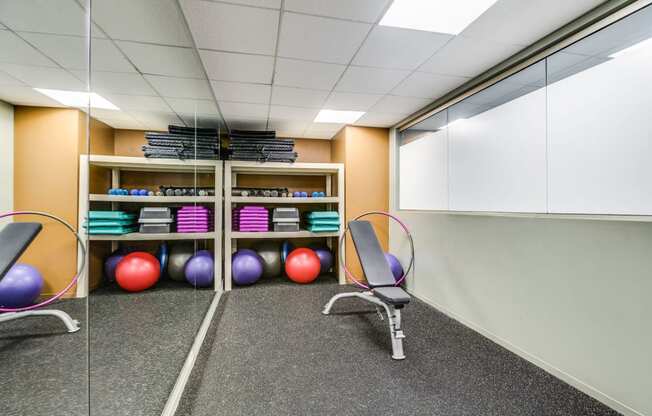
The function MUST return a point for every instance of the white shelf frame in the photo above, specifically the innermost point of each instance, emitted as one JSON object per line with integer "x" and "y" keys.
{"x": 333, "y": 173}
{"x": 119, "y": 164}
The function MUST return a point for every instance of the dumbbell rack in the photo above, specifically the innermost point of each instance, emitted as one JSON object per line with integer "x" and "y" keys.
{"x": 334, "y": 200}
{"x": 117, "y": 164}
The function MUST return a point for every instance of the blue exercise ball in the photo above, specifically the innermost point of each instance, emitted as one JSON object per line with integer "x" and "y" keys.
{"x": 111, "y": 263}
{"x": 20, "y": 287}
{"x": 394, "y": 265}
{"x": 246, "y": 267}
{"x": 325, "y": 258}
{"x": 200, "y": 269}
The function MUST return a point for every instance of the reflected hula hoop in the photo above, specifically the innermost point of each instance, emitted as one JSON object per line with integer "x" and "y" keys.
{"x": 407, "y": 233}
{"x": 74, "y": 280}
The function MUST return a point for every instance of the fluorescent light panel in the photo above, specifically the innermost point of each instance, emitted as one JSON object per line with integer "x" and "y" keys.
{"x": 337, "y": 116}
{"x": 442, "y": 16}
{"x": 637, "y": 47}
{"x": 78, "y": 98}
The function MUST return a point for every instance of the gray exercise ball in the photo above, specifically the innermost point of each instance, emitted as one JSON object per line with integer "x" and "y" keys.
{"x": 180, "y": 253}
{"x": 270, "y": 252}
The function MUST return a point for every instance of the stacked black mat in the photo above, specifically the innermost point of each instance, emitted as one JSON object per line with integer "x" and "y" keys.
{"x": 183, "y": 143}
{"x": 262, "y": 146}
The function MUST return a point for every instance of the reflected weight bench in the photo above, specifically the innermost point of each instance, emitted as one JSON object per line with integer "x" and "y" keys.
{"x": 14, "y": 240}
{"x": 383, "y": 291}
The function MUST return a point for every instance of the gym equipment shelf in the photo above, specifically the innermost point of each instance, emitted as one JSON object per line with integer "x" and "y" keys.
{"x": 334, "y": 179}
{"x": 153, "y": 237}
{"x": 152, "y": 199}
{"x": 117, "y": 164}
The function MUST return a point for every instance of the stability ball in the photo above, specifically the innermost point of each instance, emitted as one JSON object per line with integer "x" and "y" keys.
{"x": 162, "y": 255}
{"x": 325, "y": 259}
{"x": 137, "y": 271}
{"x": 200, "y": 269}
{"x": 394, "y": 265}
{"x": 111, "y": 263}
{"x": 270, "y": 253}
{"x": 286, "y": 248}
{"x": 20, "y": 287}
{"x": 302, "y": 265}
{"x": 179, "y": 255}
{"x": 246, "y": 267}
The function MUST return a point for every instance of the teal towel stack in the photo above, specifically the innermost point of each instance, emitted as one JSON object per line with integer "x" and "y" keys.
{"x": 323, "y": 221}
{"x": 110, "y": 223}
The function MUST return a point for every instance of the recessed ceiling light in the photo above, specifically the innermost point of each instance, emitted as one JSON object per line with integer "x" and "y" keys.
{"x": 644, "y": 44}
{"x": 78, "y": 98}
{"x": 442, "y": 16}
{"x": 336, "y": 116}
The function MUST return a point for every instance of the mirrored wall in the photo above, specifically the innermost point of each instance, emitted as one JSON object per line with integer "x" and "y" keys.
{"x": 568, "y": 134}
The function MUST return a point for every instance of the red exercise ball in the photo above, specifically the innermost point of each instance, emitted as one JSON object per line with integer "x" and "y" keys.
{"x": 302, "y": 265}
{"x": 137, "y": 271}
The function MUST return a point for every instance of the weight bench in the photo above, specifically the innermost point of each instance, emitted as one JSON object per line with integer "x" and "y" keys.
{"x": 383, "y": 291}
{"x": 14, "y": 240}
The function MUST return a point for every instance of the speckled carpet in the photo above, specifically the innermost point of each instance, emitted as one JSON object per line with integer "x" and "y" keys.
{"x": 271, "y": 352}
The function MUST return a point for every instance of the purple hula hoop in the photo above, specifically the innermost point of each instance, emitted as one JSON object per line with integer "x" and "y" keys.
{"x": 405, "y": 229}
{"x": 80, "y": 268}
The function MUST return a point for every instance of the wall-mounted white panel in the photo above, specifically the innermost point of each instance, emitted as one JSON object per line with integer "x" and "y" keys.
{"x": 423, "y": 172}
{"x": 498, "y": 158}
{"x": 6, "y": 157}
{"x": 600, "y": 138}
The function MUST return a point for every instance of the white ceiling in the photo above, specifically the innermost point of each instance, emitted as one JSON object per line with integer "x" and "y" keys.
{"x": 268, "y": 63}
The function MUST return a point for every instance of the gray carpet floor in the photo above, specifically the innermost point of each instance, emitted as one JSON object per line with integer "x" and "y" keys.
{"x": 270, "y": 351}
{"x": 137, "y": 345}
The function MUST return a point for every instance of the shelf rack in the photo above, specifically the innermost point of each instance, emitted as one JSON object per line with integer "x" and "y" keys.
{"x": 334, "y": 176}
{"x": 117, "y": 164}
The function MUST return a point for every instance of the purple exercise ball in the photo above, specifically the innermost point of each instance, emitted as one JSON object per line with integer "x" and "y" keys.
{"x": 111, "y": 263}
{"x": 246, "y": 267}
{"x": 394, "y": 265}
{"x": 325, "y": 259}
{"x": 200, "y": 269}
{"x": 20, "y": 286}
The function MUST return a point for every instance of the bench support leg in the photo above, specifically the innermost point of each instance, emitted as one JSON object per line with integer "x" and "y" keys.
{"x": 393, "y": 318}
{"x": 71, "y": 324}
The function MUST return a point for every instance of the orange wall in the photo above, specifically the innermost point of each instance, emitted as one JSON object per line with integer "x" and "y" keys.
{"x": 365, "y": 154}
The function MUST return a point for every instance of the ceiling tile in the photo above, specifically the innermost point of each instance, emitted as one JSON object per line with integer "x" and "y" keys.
{"x": 298, "y": 97}
{"x": 18, "y": 95}
{"x": 70, "y": 52}
{"x": 362, "y": 10}
{"x": 14, "y": 50}
{"x": 328, "y": 128}
{"x": 203, "y": 121}
{"x": 370, "y": 80}
{"x": 241, "y": 111}
{"x": 154, "y": 21}
{"x": 423, "y": 85}
{"x": 118, "y": 83}
{"x": 241, "y": 92}
{"x": 123, "y": 124}
{"x": 270, "y": 4}
{"x": 303, "y": 74}
{"x": 379, "y": 119}
{"x": 288, "y": 128}
{"x": 399, "y": 105}
{"x": 281, "y": 112}
{"x": 351, "y": 101}
{"x": 468, "y": 57}
{"x": 224, "y": 66}
{"x": 64, "y": 17}
{"x": 138, "y": 102}
{"x": 156, "y": 120}
{"x": 246, "y": 124}
{"x": 526, "y": 21}
{"x": 392, "y": 47}
{"x": 228, "y": 27}
{"x": 163, "y": 60}
{"x": 101, "y": 113}
{"x": 181, "y": 87}
{"x": 44, "y": 77}
{"x": 320, "y": 39}
{"x": 185, "y": 106}
{"x": 6, "y": 79}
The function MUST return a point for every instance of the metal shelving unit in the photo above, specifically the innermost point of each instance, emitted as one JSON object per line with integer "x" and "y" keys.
{"x": 118, "y": 164}
{"x": 334, "y": 200}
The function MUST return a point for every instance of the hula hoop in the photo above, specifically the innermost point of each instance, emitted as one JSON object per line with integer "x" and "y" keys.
{"x": 79, "y": 270}
{"x": 407, "y": 233}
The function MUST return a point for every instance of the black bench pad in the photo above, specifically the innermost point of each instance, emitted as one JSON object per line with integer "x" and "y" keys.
{"x": 14, "y": 240}
{"x": 393, "y": 295}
